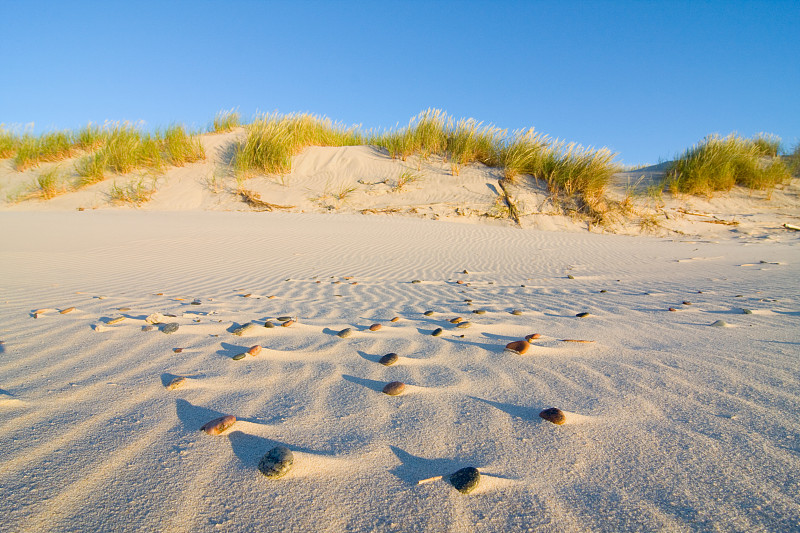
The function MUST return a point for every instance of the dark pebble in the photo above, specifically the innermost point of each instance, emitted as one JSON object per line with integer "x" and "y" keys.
{"x": 437, "y": 332}
{"x": 416, "y": 281}
{"x": 394, "y": 388}
{"x": 747, "y": 312}
{"x": 465, "y": 480}
{"x": 428, "y": 313}
{"x": 239, "y": 356}
{"x": 687, "y": 303}
{"x": 346, "y": 332}
{"x": 582, "y": 315}
{"x": 284, "y": 318}
{"x": 479, "y": 311}
{"x": 269, "y": 324}
{"x": 516, "y": 312}
{"x": 172, "y": 327}
{"x": 389, "y": 359}
{"x": 276, "y": 462}
{"x": 554, "y": 415}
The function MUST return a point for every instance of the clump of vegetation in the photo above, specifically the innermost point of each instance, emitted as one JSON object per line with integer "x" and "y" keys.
{"x": 179, "y": 147}
{"x": 135, "y": 192}
{"x": 719, "y": 163}
{"x": 404, "y": 179}
{"x": 49, "y": 184}
{"x": 9, "y": 142}
{"x": 793, "y": 161}
{"x": 226, "y": 121}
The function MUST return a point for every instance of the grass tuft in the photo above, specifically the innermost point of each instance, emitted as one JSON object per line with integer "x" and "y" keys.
{"x": 9, "y": 142}
{"x": 135, "y": 192}
{"x": 49, "y": 185}
{"x": 226, "y": 121}
{"x": 719, "y": 163}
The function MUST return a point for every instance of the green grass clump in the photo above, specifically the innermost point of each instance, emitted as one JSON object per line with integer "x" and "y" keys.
{"x": 582, "y": 173}
{"x": 524, "y": 153}
{"x": 49, "y": 185}
{"x": 226, "y": 121}
{"x": 793, "y": 161}
{"x": 53, "y": 146}
{"x": 135, "y": 192}
{"x": 719, "y": 163}
{"x": 181, "y": 148}
{"x": 272, "y": 140}
{"x": 9, "y": 142}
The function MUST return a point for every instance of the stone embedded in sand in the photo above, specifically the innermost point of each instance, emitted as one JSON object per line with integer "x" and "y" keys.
{"x": 195, "y": 302}
{"x": 746, "y": 311}
{"x": 346, "y": 332}
{"x": 177, "y": 350}
{"x": 437, "y": 332}
{"x": 582, "y": 315}
{"x": 416, "y": 281}
{"x": 554, "y": 415}
{"x": 269, "y": 324}
{"x": 456, "y": 320}
{"x": 687, "y": 303}
{"x": 570, "y": 276}
{"x": 464, "y": 271}
{"x": 464, "y": 325}
{"x": 276, "y": 462}
{"x": 155, "y": 318}
{"x": 123, "y": 309}
{"x": 428, "y": 313}
{"x": 465, "y": 480}
{"x": 479, "y": 311}
{"x": 148, "y": 328}
{"x": 172, "y": 327}
{"x": 375, "y": 327}
{"x": 395, "y": 319}
{"x": 460, "y": 282}
{"x": 288, "y": 323}
{"x": 176, "y": 383}
{"x": 394, "y": 388}
{"x": 720, "y": 324}
{"x": 389, "y": 359}
{"x": 532, "y": 336}
{"x": 603, "y": 290}
{"x": 254, "y": 350}
{"x": 284, "y": 318}
{"x": 115, "y": 320}
{"x": 241, "y": 330}
{"x": 519, "y": 347}
{"x": 516, "y": 312}
{"x": 67, "y": 310}
{"x": 672, "y": 309}
{"x": 239, "y": 356}
{"x": 218, "y": 425}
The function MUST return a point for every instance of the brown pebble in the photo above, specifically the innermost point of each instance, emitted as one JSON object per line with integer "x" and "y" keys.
{"x": 428, "y": 313}
{"x": 516, "y": 312}
{"x": 519, "y": 347}
{"x": 687, "y": 303}
{"x": 464, "y": 325}
{"x": 354, "y": 283}
{"x": 375, "y": 327}
{"x": 532, "y": 336}
{"x": 456, "y": 320}
{"x": 254, "y": 350}
{"x": 582, "y": 315}
{"x": 67, "y": 310}
{"x": 460, "y": 282}
{"x": 176, "y": 383}
{"x": 218, "y": 425}
{"x": 479, "y": 311}
{"x": 672, "y": 309}
{"x": 271, "y": 297}
{"x": 394, "y": 388}
{"x": 115, "y": 320}
{"x": 389, "y": 359}
{"x": 177, "y": 350}
{"x": 288, "y": 323}
{"x": 556, "y": 416}
{"x": 395, "y": 319}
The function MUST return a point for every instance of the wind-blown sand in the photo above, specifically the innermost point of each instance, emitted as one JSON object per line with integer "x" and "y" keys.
{"x": 672, "y": 424}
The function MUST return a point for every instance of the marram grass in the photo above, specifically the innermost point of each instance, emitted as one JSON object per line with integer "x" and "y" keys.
{"x": 226, "y": 121}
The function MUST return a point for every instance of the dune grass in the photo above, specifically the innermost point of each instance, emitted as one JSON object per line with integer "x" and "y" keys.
{"x": 719, "y": 163}
{"x": 226, "y": 121}
{"x": 134, "y": 192}
{"x": 49, "y": 184}
{"x": 9, "y": 142}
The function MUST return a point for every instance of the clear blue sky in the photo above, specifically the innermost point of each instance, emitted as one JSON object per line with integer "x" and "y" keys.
{"x": 645, "y": 79}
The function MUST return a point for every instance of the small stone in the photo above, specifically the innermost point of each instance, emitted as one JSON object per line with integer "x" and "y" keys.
{"x": 241, "y": 330}
{"x": 148, "y": 328}
{"x": 459, "y": 282}
{"x": 284, "y": 318}
{"x": 375, "y": 327}
{"x": 570, "y": 276}
{"x": 394, "y": 388}
{"x": 123, "y": 309}
{"x": 687, "y": 303}
{"x": 603, "y": 291}
{"x": 532, "y": 336}
{"x": 269, "y": 324}
{"x": 468, "y": 300}
{"x": 254, "y": 350}
{"x": 582, "y": 315}
{"x": 172, "y": 327}
{"x": 464, "y": 325}
{"x": 464, "y": 271}
{"x": 276, "y": 462}
{"x": 176, "y": 383}
{"x": 395, "y": 319}
{"x": 239, "y": 356}
{"x": 289, "y": 323}
{"x": 720, "y": 324}
{"x": 437, "y": 332}
{"x": 416, "y": 281}
{"x": 428, "y": 313}
{"x": 218, "y": 425}
{"x": 519, "y": 347}
{"x": 196, "y": 302}
{"x": 554, "y": 415}
{"x": 115, "y": 320}
{"x": 672, "y": 309}
{"x": 67, "y": 310}
{"x": 479, "y": 311}
{"x": 456, "y": 320}
{"x": 389, "y": 359}
{"x": 177, "y": 350}
{"x": 746, "y": 312}
{"x": 516, "y": 312}
{"x": 155, "y": 318}
{"x": 346, "y": 332}
{"x": 465, "y": 480}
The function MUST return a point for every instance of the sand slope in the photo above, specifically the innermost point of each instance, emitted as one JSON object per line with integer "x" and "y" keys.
{"x": 672, "y": 424}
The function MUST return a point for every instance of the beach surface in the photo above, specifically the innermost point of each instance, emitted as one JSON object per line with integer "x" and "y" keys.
{"x": 682, "y": 409}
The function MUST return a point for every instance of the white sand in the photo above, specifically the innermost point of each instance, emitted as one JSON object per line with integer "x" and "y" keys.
{"x": 671, "y": 424}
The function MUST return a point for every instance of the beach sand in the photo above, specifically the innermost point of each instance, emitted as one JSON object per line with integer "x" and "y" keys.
{"x": 672, "y": 424}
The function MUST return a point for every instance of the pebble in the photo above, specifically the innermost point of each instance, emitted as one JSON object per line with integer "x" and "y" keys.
{"x": 196, "y": 302}
{"x": 465, "y": 480}
{"x": 239, "y": 356}
{"x": 464, "y": 325}
{"x": 416, "y": 281}
{"x": 155, "y": 318}
{"x": 346, "y": 332}
{"x": 603, "y": 291}
{"x": 375, "y": 327}
{"x": 176, "y": 383}
{"x": 67, "y": 310}
{"x": 289, "y": 323}
{"x": 115, "y": 320}
{"x": 460, "y": 282}
{"x": 218, "y": 425}
{"x": 532, "y": 336}
{"x": 467, "y": 300}
{"x": 519, "y": 347}
{"x": 395, "y": 319}
{"x": 437, "y": 332}
{"x": 747, "y": 312}
{"x": 276, "y": 462}
{"x": 720, "y": 324}
{"x": 284, "y": 318}
{"x": 394, "y": 388}
{"x": 456, "y": 320}
{"x": 570, "y": 276}
{"x": 672, "y": 309}
{"x": 177, "y": 350}
{"x": 254, "y": 350}
{"x": 582, "y": 315}
{"x": 479, "y": 311}
{"x": 687, "y": 303}
{"x": 124, "y": 309}
{"x": 389, "y": 359}
{"x": 554, "y": 415}
{"x": 464, "y": 271}
{"x": 172, "y": 327}
{"x": 269, "y": 324}
{"x": 241, "y": 330}
{"x": 516, "y": 312}
{"x": 148, "y": 328}
{"x": 428, "y": 313}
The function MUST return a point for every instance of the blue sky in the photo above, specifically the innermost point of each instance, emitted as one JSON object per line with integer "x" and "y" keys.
{"x": 645, "y": 79}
